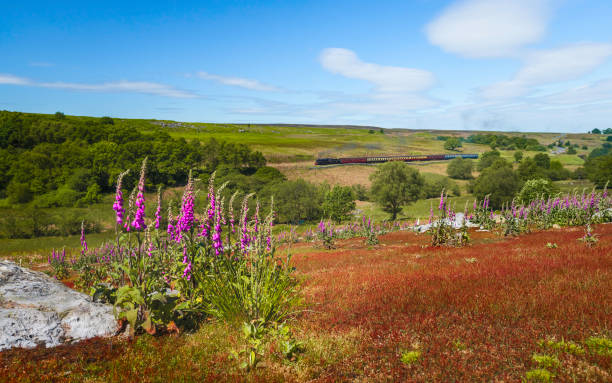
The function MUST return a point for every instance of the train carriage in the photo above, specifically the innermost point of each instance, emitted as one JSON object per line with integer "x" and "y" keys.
{"x": 381, "y": 159}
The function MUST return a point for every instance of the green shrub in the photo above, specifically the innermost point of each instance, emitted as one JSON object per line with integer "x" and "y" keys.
{"x": 487, "y": 159}
{"x": 498, "y": 181}
{"x": 535, "y": 189}
{"x": 410, "y": 357}
{"x": 546, "y": 361}
{"x": 600, "y": 345}
{"x": 452, "y": 143}
{"x": 19, "y": 192}
{"x": 395, "y": 184}
{"x": 539, "y": 375}
{"x": 338, "y": 203}
{"x": 562, "y": 346}
{"x": 460, "y": 168}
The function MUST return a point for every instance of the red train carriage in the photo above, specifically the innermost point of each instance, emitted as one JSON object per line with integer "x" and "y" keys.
{"x": 381, "y": 159}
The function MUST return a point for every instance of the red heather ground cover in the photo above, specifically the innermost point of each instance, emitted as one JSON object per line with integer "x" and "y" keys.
{"x": 475, "y": 313}
{"x": 497, "y": 297}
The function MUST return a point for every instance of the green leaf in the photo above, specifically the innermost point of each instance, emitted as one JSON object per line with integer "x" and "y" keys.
{"x": 131, "y": 316}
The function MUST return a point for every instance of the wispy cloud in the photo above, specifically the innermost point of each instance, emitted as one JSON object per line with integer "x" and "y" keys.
{"x": 489, "y": 28}
{"x": 550, "y": 66}
{"x": 238, "y": 81}
{"x": 142, "y": 87}
{"x": 386, "y": 78}
{"x": 396, "y": 89}
{"x": 9, "y": 79}
{"x": 599, "y": 91}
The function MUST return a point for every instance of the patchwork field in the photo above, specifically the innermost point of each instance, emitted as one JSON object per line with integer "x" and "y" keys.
{"x": 399, "y": 311}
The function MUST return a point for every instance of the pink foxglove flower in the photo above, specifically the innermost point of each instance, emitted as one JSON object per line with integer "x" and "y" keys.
{"x": 118, "y": 205}
{"x": 138, "y": 222}
{"x": 186, "y": 218}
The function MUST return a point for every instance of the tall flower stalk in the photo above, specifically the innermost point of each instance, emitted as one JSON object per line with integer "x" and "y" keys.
{"x": 138, "y": 223}
{"x": 118, "y": 205}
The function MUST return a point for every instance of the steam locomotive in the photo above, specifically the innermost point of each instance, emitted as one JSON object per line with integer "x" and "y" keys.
{"x": 380, "y": 159}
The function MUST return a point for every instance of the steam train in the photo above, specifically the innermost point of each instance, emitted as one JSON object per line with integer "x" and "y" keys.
{"x": 380, "y": 159}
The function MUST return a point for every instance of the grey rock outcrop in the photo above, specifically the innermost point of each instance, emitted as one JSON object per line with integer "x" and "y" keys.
{"x": 456, "y": 224}
{"x": 38, "y": 310}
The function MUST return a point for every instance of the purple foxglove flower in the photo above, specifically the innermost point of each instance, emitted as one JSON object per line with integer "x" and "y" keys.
{"x": 217, "y": 238}
{"x": 138, "y": 222}
{"x": 186, "y": 218}
{"x": 322, "y": 226}
{"x": 118, "y": 204}
{"x": 171, "y": 227}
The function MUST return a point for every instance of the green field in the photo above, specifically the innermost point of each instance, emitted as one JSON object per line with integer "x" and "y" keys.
{"x": 292, "y": 150}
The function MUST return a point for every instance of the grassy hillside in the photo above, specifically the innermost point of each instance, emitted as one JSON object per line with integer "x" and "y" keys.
{"x": 293, "y": 148}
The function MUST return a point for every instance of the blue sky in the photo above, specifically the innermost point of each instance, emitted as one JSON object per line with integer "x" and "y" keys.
{"x": 526, "y": 65}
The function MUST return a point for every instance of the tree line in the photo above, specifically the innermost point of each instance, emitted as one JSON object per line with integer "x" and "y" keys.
{"x": 56, "y": 160}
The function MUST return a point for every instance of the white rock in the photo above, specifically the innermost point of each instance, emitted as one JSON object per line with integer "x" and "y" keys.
{"x": 456, "y": 223}
{"x": 38, "y": 310}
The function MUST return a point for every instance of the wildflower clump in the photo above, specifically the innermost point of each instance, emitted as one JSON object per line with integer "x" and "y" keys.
{"x": 369, "y": 232}
{"x": 198, "y": 266}
{"x": 325, "y": 234}
{"x": 589, "y": 238}
{"x": 442, "y": 230}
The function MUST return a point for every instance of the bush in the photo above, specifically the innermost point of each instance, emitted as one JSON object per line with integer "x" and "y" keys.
{"x": 528, "y": 169}
{"x": 536, "y": 189}
{"x": 395, "y": 184}
{"x": 542, "y": 160}
{"x": 460, "y": 168}
{"x": 599, "y": 169}
{"x": 579, "y": 173}
{"x": 79, "y": 180}
{"x": 557, "y": 172}
{"x": 487, "y": 159}
{"x": 338, "y": 203}
{"x": 297, "y": 201}
{"x": 498, "y": 181}
{"x": 64, "y": 197}
{"x": 107, "y": 121}
{"x": 18, "y": 192}
{"x": 92, "y": 196}
{"x": 452, "y": 143}
{"x": 435, "y": 183}
{"x": 518, "y": 156}
{"x": 361, "y": 192}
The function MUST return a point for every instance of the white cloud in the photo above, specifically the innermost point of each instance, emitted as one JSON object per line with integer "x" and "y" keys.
{"x": 9, "y": 79}
{"x": 239, "y": 82}
{"x": 396, "y": 89}
{"x": 562, "y": 64}
{"x": 600, "y": 91}
{"x": 489, "y": 28}
{"x": 550, "y": 66}
{"x": 120, "y": 86}
{"x": 386, "y": 78}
